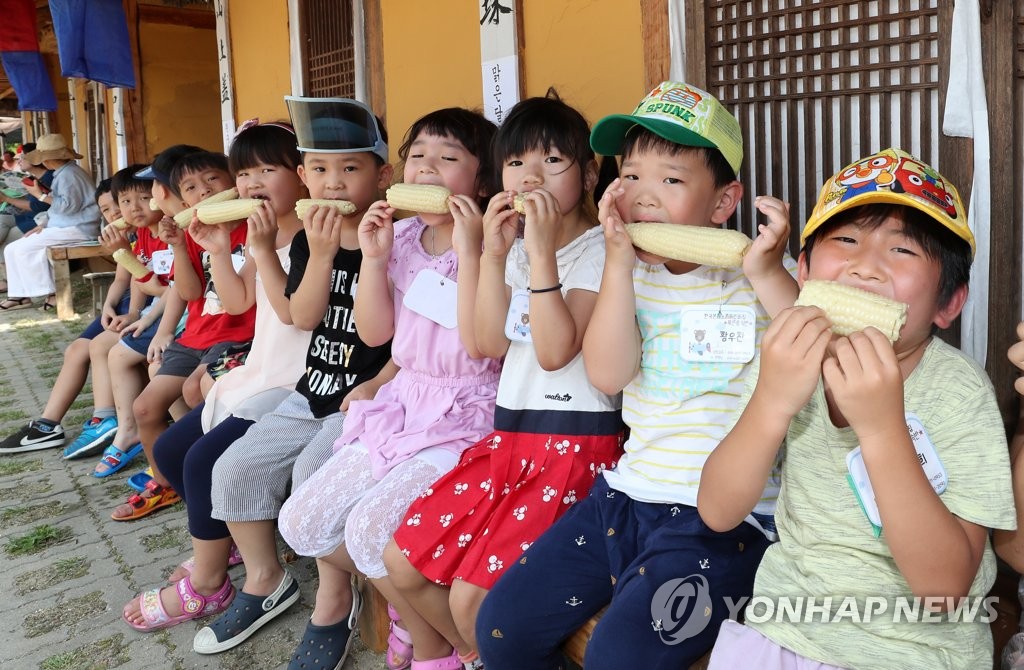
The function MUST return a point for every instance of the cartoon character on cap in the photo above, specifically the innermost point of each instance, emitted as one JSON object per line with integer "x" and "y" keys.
{"x": 916, "y": 178}
{"x": 867, "y": 175}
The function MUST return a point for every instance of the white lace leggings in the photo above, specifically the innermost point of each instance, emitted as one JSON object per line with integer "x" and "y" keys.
{"x": 343, "y": 504}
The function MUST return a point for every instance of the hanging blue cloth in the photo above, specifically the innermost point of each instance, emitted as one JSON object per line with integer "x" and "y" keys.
{"x": 92, "y": 39}
{"x": 31, "y": 81}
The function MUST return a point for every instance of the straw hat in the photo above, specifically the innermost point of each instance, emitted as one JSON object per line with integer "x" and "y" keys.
{"x": 51, "y": 147}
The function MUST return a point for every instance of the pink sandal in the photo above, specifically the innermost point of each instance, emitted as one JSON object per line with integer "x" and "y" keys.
{"x": 452, "y": 662}
{"x": 193, "y": 605}
{"x": 399, "y": 653}
{"x": 189, "y": 564}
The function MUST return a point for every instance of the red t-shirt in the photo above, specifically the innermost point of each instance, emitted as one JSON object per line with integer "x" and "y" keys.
{"x": 207, "y": 323}
{"x": 146, "y": 243}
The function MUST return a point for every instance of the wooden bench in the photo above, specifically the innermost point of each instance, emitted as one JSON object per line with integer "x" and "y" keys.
{"x": 374, "y": 622}
{"x": 60, "y": 258}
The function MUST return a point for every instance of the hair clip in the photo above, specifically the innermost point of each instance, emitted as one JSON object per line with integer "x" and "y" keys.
{"x": 252, "y": 123}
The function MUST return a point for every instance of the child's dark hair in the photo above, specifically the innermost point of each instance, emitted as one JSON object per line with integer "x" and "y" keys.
{"x": 938, "y": 242}
{"x": 197, "y": 162}
{"x": 640, "y": 139}
{"x": 165, "y": 161}
{"x": 542, "y": 123}
{"x": 125, "y": 180}
{"x": 267, "y": 143}
{"x": 470, "y": 128}
{"x": 101, "y": 188}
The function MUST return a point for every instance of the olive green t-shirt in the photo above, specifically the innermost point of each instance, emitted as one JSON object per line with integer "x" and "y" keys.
{"x": 827, "y": 546}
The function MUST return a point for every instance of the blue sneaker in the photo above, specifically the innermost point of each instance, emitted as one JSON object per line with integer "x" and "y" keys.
{"x": 96, "y": 434}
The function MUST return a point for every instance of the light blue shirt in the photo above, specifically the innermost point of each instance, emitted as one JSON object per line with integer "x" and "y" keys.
{"x": 71, "y": 200}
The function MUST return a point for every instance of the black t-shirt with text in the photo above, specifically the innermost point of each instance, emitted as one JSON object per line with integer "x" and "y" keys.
{"x": 337, "y": 359}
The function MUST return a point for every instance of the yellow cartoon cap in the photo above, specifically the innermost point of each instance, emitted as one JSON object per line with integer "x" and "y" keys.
{"x": 894, "y": 177}
{"x": 679, "y": 113}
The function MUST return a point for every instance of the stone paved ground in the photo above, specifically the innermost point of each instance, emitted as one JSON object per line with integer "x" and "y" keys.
{"x": 68, "y": 568}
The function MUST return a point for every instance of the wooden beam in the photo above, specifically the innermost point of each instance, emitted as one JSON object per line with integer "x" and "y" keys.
{"x": 374, "y": 28}
{"x": 657, "y": 49}
{"x": 696, "y": 71}
{"x": 173, "y": 16}
{"x": 134, "y": 129}
{"x": 6, "y": 92}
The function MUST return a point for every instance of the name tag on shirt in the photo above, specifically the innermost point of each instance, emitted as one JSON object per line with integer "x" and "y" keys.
{"x": 237, "y": 261}
{"x": 859, "y": 481}
{"x": 162, "y": 261}
{"x": 434, "y": 296}
{"x": 517, "y": 321}
{"x": 717, "y": 334}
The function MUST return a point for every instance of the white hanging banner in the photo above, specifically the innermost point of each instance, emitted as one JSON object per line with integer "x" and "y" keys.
{"x": 227, "y": 84}
{"x": 499, "y": 57}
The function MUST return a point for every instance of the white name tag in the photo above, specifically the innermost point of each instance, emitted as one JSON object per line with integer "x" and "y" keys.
{"x": 435, "y": 297}
{"x": 926, "y": 455}
{"x": 717, "y": 334}
{"x": 162, "y": 261}
{"x": 237, "y": 261}
{"x": 517, "y": 321}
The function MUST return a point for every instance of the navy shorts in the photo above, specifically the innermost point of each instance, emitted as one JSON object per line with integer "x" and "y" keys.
{"x": 95, "y": 328}
{"x": 665, "y": 576}
{"x": 139, "y": 343}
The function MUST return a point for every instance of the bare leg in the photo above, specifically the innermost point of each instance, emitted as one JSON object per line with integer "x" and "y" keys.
{"x": 425, "y": 614}
{"x": 191, "y": 391}
{"x": 258, "y": 546}
{"x": 70, "y": 381}
{"x": 334, "y": 593}
{"x": 465, "y": 600}
{"x": 150, "y": 410}
{"x": 208, "y": 574}
{"x": 127, "y": 379}
{"x": 99, "y": 354}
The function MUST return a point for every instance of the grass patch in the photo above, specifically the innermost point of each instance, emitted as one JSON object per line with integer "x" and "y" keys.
{"x": 13, "y": 415}
{"x": 167, "y": 538}
{"x": 21, "y": 516}
{"x": 36, "y": 540}
{"x": 82, "y": 402}
{"x": 99, "y": 655}
{"x": 25, "y": 491}
{"x": 18, "y": 467}
{"x": 67, "y": 613}
{"x": 62, "y": 571}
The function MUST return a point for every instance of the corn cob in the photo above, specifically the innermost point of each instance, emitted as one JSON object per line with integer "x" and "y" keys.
{"x": 716, "y": 247}
{"x": 232, "y": 210}
{"x": 519, "y": 203}
{"x": 129, "y": 262}
{"x": 343, "y": 206}
{"x": 423, "y": 198}
{"x": 184, "y": 217}
{"x": 852, "y": 309}
{"x": 120, "y": 224}
{"x": 153, "y": 206}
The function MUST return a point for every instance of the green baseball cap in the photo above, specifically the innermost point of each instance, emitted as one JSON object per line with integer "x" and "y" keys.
{"x": 679, "y": 113}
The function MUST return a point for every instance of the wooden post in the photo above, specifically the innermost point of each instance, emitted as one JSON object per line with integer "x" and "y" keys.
{"x": 657, "y": 50}
{"x": 131, "y": 98}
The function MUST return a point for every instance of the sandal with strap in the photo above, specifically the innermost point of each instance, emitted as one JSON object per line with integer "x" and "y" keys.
{"x": 15, "y": 303}
{"x": 154, "y": 498}
{"x": 189, "y": 564}
{"x": 114, "y": 460}
{"x": 452, "y": 662}
{"x": 399, "y": 651}
{"x": 193, "y": 605}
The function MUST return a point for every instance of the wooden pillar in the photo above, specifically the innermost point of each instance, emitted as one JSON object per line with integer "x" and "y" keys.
{"x": 374, "y": 29}
{"x": 657, "y": 49}
{"x": 134, "y": 129}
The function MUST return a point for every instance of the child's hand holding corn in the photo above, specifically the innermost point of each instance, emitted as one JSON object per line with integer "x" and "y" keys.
{"x": 500, "y": 226}
{"x": 543, "y": 224}
{"x": 377, "y": 232}
{"x": 618, "y": 245}
{"x": 468, "y": 234}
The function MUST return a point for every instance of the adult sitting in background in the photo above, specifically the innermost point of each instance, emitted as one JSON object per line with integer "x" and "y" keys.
{"x": 73, "y": 217}
{"x": 18, "y": 207}
{"x": 9, "y": 161}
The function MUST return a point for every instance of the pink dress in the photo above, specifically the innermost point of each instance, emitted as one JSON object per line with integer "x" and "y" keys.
{"x": 441, "y": 397}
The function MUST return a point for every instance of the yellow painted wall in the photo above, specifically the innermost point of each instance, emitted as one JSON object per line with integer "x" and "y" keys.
{"x": 590, "y": 50}
{"x": 180, "y": 97}
{"x": 259, "y": 53}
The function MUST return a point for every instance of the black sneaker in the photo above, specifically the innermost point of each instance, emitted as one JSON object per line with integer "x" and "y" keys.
{"x": 36, "y": 435}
